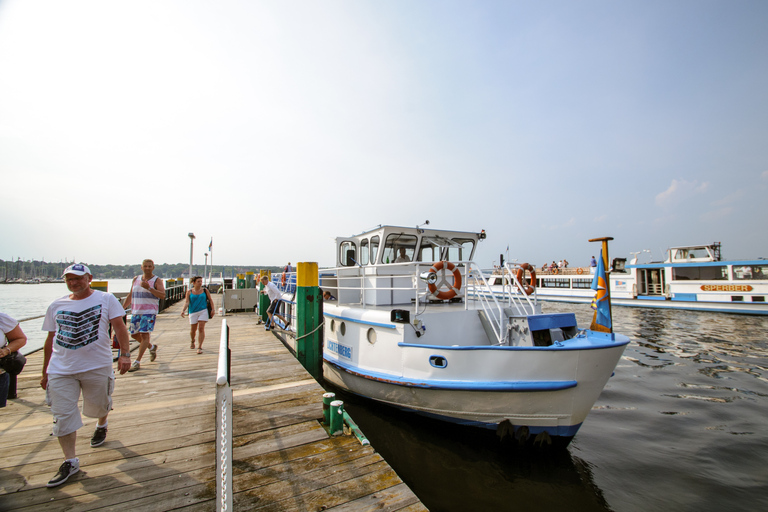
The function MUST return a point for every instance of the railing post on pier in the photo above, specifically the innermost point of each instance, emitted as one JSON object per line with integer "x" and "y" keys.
{"x": 308, "y": 319}
{"x": 224, "y": 457}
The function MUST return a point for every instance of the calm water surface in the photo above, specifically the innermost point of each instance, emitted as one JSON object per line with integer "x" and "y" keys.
{"x": 680, "y": 426}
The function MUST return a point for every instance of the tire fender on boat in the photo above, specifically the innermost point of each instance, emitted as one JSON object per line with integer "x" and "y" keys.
{"x": 452, "y": 290}
{"x": 521, "y": 273}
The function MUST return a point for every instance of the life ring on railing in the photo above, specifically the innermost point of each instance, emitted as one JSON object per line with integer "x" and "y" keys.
{"x": 521, "y": 273}
{"x": 555, "y": 271}
{"x": 579, "y": 270}
{"x": 282, "y": 279}
{"x": 453, "y": 289}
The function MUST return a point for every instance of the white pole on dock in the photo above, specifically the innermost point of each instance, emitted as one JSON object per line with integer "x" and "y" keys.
{"x": 191, "y": 245}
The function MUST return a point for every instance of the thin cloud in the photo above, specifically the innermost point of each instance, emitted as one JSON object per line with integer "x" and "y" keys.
{"x": 680, "y": 190}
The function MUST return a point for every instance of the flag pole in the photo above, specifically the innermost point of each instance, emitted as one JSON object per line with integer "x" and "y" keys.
{"x": 605, "y": 241}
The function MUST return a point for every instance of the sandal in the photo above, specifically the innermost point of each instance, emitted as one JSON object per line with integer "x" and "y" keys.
{"x": 199, "y": 351}
{"x": 192, "y": 345}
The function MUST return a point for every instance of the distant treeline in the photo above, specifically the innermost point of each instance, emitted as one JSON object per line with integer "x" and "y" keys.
{"x": 42, "y": 269}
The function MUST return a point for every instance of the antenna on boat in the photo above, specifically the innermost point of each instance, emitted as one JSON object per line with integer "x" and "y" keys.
{"x": 418, "y": 226}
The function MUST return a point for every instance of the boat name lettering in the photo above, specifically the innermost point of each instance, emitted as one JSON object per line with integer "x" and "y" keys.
{"x": 342, "y": 350}
{"x": 726, "y": 288}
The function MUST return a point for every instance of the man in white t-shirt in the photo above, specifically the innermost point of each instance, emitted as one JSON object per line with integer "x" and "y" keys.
{"x": 274, "y": 294}
{"x": 78, "y": 357}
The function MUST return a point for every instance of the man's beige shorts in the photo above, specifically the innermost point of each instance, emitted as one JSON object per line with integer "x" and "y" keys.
{"x": 63, "y": 393}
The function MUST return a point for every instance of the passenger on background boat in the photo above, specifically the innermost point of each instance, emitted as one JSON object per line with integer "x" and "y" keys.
{"x": 13, "y": 339}
{"x": 144, "y": 301}
{"x": 273, "y": 292}
{"x": 592, "y": 265}
{"x": 327, "y": 296}
{"x": 196, "y": 304}
{"x": 553, "y": 266}
{"x": 77, "y": 356}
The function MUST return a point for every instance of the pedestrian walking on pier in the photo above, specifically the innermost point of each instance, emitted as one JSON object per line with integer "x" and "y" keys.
{"x": 144, "y": 301}
{"x": 196, "y": 305}
{"x": 77, "y": 357}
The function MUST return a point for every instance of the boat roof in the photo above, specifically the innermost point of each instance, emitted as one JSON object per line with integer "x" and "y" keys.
{"x": 417, "y": 230}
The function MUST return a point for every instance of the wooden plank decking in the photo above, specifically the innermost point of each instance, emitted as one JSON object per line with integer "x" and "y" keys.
{"x": 159, "y": 453}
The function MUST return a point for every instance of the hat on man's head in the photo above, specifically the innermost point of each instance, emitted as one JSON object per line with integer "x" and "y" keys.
{"x": 78, "y": 269}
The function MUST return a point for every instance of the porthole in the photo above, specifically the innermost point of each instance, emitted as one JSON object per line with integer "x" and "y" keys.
{"x": 371, "y": 336}
{"x": 333, "y": 325}
{"x": 342, "y": 328}
{"x": 438, "y": 361}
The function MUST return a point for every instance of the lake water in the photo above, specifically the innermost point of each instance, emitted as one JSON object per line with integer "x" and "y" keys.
{"x": 682, "y": 425}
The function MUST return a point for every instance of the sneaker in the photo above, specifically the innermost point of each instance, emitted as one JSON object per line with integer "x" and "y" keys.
{"x": 99, "y": 436}
{"x": 135, "y": 366}
{"x": 66, "y": 470}
{"x": 152, "y": 353}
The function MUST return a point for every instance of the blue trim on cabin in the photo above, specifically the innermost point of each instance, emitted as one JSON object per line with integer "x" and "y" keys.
{"x": 551, "y": 321}
{"x": 357, "y": 321}
{"x": 733, "y": 263}
{"x": 456, "y": 385}
{"x": 687, "y": 297}
{"x": 651, "y": 297}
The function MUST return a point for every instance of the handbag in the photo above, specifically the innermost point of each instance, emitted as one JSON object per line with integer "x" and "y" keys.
{"x": 209, "y": 304}
{"x": 13, "y": 363}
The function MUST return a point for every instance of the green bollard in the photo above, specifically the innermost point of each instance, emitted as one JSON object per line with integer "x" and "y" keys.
{"x": 337, "y": 417}
{"x": 308, "y": 320}
{"x": 327, "y": 399}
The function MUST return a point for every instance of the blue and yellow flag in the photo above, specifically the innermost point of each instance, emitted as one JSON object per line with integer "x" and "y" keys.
{"x": 601, "y": 321}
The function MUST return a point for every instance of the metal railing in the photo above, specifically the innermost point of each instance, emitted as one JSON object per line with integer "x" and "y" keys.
{"x": 224, "y": 457}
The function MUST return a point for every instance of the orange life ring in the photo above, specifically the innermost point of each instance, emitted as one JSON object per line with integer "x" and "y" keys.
{"x": 453, "y": 289}
{"x": 579, "y": 271}
{"x": 521, "y": 273}
{"x": 282, "y": 280}
{"x": 555, "y": 271}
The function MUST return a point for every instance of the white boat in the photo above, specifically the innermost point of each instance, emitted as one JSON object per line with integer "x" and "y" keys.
{"x": 692, "y": 277}
{"x": 409, "y": 329}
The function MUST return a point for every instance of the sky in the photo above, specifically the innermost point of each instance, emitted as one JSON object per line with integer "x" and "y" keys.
{"x": 272, "y": 127}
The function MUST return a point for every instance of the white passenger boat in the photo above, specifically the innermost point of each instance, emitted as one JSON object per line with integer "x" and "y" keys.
{"x": 691, "y": 277}
{"x": 408, "y": 328}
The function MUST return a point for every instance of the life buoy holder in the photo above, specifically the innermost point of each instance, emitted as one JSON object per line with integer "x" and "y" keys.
{"x": 521, "y": 273}
{"x": 452, "y": 289}
{"x": 579, "y": 270}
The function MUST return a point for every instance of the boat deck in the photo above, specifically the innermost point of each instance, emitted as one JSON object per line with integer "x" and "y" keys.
{"x": 159, "y": 453}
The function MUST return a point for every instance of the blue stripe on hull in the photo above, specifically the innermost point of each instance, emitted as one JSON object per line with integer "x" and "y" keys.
{"x": 457, "y": 385}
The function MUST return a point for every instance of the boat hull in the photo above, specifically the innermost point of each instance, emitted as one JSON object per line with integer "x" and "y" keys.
{"x": 540, "y": 390}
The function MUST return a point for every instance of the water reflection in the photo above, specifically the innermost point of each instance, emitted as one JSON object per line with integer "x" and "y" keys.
{"x": 458, "y": 468}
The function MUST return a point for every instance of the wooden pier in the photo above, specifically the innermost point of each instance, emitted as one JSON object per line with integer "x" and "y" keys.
{"x": 159, "y": 453}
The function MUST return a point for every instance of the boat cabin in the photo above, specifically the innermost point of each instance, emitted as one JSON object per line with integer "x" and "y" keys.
{"x": 694, "y": 253}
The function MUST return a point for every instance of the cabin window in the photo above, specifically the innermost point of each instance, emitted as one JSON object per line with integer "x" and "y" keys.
{"x": 437, "y": 249}
{"x": 461, "y": 253}
{"x": 555, "y": 283}
{"x": 364, "y": 251}
{"x": 750, "y": 272}
{"x": 374, "y": 248}
{"x": 708, "y": 273}
{"x": 399, "y": 246}
{"x": 347, "y": 254}
{"x": 737, "y": 298}
{"x": 758, "y": 298}
{"x": 581, "y": 283}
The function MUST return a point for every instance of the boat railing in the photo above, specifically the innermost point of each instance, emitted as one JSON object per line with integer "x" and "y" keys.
{"x": 514, "y": 291}
{"x": 409, "y": 283}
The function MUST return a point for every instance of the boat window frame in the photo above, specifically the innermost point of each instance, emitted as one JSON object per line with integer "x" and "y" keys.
{"x": 364, "y": 251}
{"x": 375, "y": 240}
{"x": 392, "y": 245}
{"x": 343, "y": 248}
{"x": 694, "y": 273}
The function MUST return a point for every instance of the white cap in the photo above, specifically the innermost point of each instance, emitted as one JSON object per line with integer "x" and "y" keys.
{"x": 78, "y": 269}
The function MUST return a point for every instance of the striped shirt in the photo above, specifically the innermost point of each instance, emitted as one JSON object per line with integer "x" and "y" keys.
{"x": 142, "y": 301}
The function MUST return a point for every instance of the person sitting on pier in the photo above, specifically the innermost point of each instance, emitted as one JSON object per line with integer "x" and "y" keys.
{"x": 274, "y": 294}
{"x": 77, "y": 357}
{"x": 327, "y": 296}
{"x": 144, "y": 301}
{"x": 13, "y": 339}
